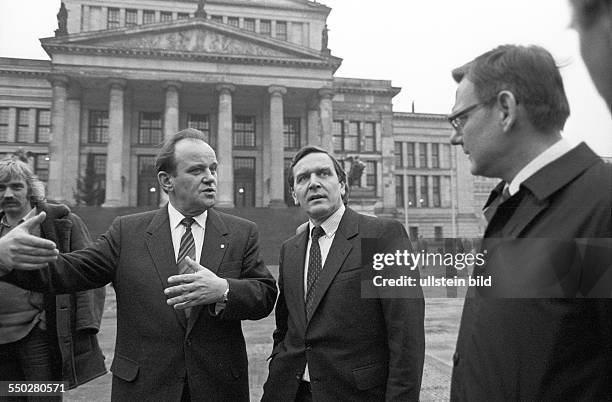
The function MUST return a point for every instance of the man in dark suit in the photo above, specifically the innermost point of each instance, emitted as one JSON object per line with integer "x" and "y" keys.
{"x": 547, "y": 242}
{"x": 330, "y": 343}
{"x": 195, "y": 351}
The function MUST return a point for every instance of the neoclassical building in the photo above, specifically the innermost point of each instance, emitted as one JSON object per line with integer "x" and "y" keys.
{"x": 256, "y": 76}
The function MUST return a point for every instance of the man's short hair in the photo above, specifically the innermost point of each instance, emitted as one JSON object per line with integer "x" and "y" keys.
{"x": 311, "y": 149}
{"x": 586, "y": 12}
{"x": 165, "y": 161}
{"x": 530, "y": 73}
{"x": 13, "y": 169}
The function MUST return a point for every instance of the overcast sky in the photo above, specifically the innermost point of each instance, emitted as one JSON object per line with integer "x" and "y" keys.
{"x": 415, "y": 44}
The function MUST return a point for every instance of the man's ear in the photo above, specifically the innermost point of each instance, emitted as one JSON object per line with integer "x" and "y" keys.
{"x": 166, "y": 181}
{"x": 342, "y": 188}
{"x": 295, "y": 200}
{"x": 508, "y": 109}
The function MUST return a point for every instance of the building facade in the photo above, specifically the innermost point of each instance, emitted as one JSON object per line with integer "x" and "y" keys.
{"x": 257, "y": 77}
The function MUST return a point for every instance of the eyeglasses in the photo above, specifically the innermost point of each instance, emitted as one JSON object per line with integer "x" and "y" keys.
{"x": 458, "y": 119}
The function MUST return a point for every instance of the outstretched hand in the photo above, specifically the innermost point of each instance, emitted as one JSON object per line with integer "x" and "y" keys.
{"x": 201, "y": 287}
{"x": 21, "y": 250}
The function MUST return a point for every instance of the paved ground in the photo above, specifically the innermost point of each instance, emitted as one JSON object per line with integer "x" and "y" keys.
{"x": 441, "y": 326}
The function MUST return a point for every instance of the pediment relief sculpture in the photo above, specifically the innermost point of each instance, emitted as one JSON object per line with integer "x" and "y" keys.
{"x": 194, "y": 41}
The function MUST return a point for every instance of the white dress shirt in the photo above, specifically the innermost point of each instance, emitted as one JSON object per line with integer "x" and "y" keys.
{"x": 177, "y": 230}
{"x": 330, "y": 226}
{"x": 553, "y": 153}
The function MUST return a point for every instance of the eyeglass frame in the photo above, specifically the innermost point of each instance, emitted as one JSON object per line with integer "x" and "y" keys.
{"x": 454, "y": 117}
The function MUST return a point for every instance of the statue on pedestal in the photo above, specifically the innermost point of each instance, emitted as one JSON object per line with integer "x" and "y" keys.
{"x": 62, "y": 21}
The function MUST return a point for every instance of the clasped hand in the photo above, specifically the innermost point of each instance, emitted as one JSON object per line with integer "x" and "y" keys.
{"x": 201, "y": 287}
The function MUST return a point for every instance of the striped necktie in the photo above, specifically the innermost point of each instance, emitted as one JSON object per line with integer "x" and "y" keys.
{"x": 187, "y": 248}
{"x": 491, "y": 209}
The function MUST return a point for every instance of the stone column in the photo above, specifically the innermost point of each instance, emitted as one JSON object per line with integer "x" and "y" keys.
{"x": 277, "y": 188}
{"x": 327, "y": 116}
{"x": 59, "y": 88}
{"x": 171, "y": 116}
{"x": 71, "y": 146}
{"x": 114, "y": 156}
{"x": 225, "y": 188}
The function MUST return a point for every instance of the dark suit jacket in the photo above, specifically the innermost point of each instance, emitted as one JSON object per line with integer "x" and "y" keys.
{"x": 357, "y": 349}
{"x": 551, "y": 239}
{"x": 157, "y": 348}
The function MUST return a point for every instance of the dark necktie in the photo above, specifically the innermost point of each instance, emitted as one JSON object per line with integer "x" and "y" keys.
{"x": 491, "y": 209}
{"x": 315, "y": 266}
{"x": 186, "y": 249}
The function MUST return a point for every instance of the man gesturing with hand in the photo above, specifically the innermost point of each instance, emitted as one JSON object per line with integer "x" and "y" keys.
{"x": 166, "y": 353}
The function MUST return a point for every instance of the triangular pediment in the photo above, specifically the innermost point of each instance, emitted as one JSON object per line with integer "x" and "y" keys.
{"x": 187, "y": 37}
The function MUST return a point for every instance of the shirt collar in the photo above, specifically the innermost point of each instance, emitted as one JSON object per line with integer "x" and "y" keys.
{"x": 331, "y": 224}
{"x": 554, "y": 152}
{"x": 176, "y": 217}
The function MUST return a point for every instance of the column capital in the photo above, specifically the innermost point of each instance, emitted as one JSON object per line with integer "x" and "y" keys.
{"x": 59, "y": 80}
{"x": 118, "y": 83}
{"x": 225, "y": 88}
{"x": 171, "y": 84}
{"x": 326, "y": 93}
{"x": 277, "y": 90}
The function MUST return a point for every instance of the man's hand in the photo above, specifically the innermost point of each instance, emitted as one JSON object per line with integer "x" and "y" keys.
{"x": 21, "y": 250}
{"x": 202, "y": 287}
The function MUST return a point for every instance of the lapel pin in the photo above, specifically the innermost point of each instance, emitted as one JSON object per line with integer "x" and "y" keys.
{"x": 223, "y": 246}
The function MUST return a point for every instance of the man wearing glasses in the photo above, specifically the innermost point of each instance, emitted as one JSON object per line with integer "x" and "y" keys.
{"x": 547, "y": 241}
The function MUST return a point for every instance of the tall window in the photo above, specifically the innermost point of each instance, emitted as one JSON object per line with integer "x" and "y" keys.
{"x": 98, "y": 127}
{"x": 446, "y": 156}
{"x": 370, "y": 171}
{"x": 338, "y": 134}
{"x": 351, "y": 140}
{"x": 112, "y": 20}
{"x": 397, "y": 153}
{"x": 182, "y": 16}
{"x": 412, "y": 191}
{"x": 99, "y": 165}
{"x": 410, "y": 155}
{"x": 217, "y": 18}
{"x": 233, "y": 21}
{"x": 422, "y": 155}
{"x": 165, "y": 16}
{"x": 43, "y": 125}
{"x": 131, "y": 18}
{"x": 399, "y": 190}
{"x": 4, "y": 122}
{"x": 281, "y": 30}
{"x": 438, "y": 233}
{"x": 265, "y": 27}
{"x": 41, "y": 166}
{"x": 369, "y": 136}
{"x": 249, "y": 24}
{"x": 413, "y": 232}
{"x": 291, "y": 132}
{"x": 424, "y": 200}
{"x": 148, "y": 16}
{"x": 201, "y": 122}
{"x": 23, "y": 126}
{"x": 435, "y": 155}
{"x": 244, "y": 131}
{"x": 150, "y": 128}
{"x": 437, "y": 203}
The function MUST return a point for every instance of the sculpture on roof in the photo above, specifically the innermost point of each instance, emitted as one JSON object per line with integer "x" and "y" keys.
{"x": 62, "y": 21}
{"x": 324, "y": 38}
{"x": 200, "y": 13}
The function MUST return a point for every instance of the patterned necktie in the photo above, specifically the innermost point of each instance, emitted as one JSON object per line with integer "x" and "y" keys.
{"x": 187, "y": 248}
{"x": 491, "y": 209}
{"x": 315, "y": 266}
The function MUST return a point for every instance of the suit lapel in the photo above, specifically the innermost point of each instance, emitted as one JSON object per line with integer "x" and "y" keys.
{"x": 293, "y": 277}
{"x": 159, "y": 244}
{"x": 213, "y": 250}
{"x": 340, "y": 248}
